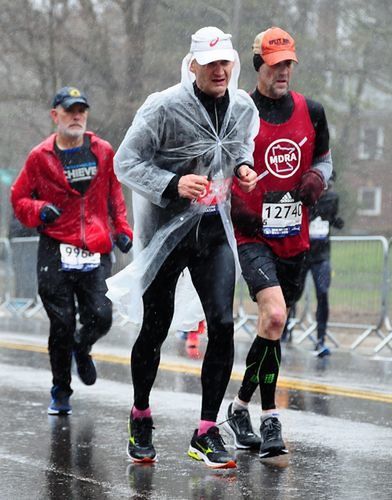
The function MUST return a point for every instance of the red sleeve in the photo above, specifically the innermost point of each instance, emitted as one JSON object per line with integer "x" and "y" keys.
{"x": 25, "y": 207}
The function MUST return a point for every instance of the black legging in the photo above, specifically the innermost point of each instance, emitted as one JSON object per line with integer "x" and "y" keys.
{"x": 209, "y": 258}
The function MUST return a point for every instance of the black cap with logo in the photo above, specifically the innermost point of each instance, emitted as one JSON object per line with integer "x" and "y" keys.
{"x": 68, "y": 96}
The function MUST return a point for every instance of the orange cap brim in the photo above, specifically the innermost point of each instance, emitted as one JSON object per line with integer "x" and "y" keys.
{"x": 279, "y": 56}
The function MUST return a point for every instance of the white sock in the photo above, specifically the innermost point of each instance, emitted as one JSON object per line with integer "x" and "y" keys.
{"x": 238, "y": 404}
{"x": 269, "y": 413}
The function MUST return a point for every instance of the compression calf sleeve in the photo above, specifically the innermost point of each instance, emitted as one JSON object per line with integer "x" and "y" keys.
{"x": 262, "y": 369}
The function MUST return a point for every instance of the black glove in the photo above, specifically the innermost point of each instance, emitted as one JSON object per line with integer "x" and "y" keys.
{"x": 123, "y": 242}
{"x": 338, "y": 223}
{"x": 49, "y": 213}
{"x": 311, "y": 187}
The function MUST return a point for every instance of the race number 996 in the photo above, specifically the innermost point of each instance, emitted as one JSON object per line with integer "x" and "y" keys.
{"x": 78, "y": 252}
{"x": 73, "y": 257}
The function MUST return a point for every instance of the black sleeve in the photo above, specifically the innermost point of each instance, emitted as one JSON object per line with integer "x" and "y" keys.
{"x": 319, "y": 120}
{"x": 327, "y": 207}
{"x": 337, "y": 221}
{"x": 171, "y": 190}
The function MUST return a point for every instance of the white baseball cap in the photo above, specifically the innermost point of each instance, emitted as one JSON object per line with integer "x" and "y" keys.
{"x": 211, "y": 44}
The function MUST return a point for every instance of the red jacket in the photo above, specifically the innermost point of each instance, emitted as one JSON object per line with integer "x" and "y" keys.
{"x": 87, "y": 221}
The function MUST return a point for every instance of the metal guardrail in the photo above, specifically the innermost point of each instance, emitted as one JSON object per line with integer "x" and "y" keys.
{"x": 6, "y": 271}
{"x": 359, "y": 286}
{"x": 360, "y": 293}
{"x": 24, "y": 300}
{"x": 387, "y": 341}
{"x": 306, "y": 321}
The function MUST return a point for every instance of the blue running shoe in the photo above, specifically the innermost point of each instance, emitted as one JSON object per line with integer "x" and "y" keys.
{"x": 60, "y": 402}
{"x": 322, "y": 351}
{"x": 85, "y": 366}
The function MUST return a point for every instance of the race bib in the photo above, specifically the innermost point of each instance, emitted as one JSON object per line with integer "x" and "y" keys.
{"x": 282, "y": 214}
{"x": 77, "y": 259}
{"x": 318, "y": 229}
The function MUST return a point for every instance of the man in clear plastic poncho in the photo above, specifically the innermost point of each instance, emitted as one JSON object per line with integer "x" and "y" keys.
{"x": 179, "y": 157}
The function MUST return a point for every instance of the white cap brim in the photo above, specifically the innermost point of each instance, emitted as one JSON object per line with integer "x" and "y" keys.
{"x": 205, "y": 57}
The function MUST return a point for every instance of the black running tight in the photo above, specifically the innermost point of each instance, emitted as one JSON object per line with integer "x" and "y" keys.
{"x": 209, "y": 258}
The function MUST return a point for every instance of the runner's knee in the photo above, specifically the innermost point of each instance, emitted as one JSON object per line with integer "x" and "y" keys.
{"x": 221, "y": 327}
{"x": 273, "y": 322}
{"x": 103, "y": 319}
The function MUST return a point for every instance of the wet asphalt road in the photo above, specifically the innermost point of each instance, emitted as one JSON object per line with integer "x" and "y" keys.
{"x": 336, "y": 415}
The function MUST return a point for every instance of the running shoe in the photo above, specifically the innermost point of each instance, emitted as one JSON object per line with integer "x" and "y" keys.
{"x": 272, "y": 443}
{"x": 322, "y": 351}
{"x": 60, "y": 402}
{"x": 140, "y": 447}
{"x": 239, "y": 425}
{"x": 192, "y": 340}
{"x": 85, "y": 366}
{"x": 210, "y": 447}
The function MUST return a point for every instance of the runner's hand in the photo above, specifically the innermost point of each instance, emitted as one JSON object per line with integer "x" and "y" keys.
{"x": 192, "y": 186}
{"x": 246, "y": 178}
{"x": 338, "y": 223}
{"x": 123, "y": 242}
{"x": 311, "y": 187}
{"x": 49, "y": 213}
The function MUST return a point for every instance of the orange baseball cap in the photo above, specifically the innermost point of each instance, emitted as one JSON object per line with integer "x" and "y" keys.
{"x": 275, "y": 45}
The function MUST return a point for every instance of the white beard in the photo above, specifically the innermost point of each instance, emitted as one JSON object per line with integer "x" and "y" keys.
{"x": 71, "y": 133}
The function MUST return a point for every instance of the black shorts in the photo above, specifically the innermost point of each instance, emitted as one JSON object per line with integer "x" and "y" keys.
{"x": 261, "y": 269}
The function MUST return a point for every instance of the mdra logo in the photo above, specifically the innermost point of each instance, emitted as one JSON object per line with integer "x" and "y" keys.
{"x": 283, "y": 158}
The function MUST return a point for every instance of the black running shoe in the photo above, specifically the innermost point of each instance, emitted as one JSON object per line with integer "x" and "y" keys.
{"x": 239, "y": 425}
{"x": 140, "y": 447}
{"x": 85, "y": 366}
{"x": 272, "y": 443}
{"x": 210, "y": 447}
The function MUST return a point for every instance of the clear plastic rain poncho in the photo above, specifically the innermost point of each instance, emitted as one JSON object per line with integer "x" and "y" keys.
{"x": 172, "y": 134}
